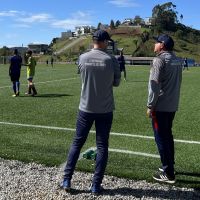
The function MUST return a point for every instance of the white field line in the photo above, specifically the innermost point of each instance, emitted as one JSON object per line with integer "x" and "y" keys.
{"x": 134, "y": 153}
{"x": 36, "y": 83}
{"x": 123, "y": 151}
{"x": 116, "y": 151}
{"x": 92, "y": 131}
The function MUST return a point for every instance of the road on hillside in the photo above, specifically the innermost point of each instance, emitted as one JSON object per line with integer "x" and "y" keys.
{"x": 74, "y": 42}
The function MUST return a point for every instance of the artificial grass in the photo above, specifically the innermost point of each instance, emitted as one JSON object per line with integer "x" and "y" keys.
{"x": 57, "y": 104}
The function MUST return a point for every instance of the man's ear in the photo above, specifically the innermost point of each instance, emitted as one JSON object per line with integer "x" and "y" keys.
{"x": 162, "y": 45}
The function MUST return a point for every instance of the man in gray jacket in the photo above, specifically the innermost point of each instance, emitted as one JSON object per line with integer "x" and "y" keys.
{"x": 163, "y": 98}
{"x": 99, "y": 73}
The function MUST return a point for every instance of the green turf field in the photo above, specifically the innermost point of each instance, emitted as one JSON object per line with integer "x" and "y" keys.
{"x": 56, "y": 106}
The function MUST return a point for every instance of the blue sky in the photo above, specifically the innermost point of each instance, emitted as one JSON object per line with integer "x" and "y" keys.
{"x": 38, "y": 21}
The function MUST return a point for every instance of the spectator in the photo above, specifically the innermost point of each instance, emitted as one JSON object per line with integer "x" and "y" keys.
{"x": 99, "y": 73}
{"x": 163, "y": 99}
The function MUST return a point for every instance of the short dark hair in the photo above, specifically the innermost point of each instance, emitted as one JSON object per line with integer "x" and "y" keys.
{"x": 15, "y": 51}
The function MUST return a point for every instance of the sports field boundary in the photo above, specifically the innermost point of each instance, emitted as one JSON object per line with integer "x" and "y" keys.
{"x": 92, "y": 131}
{"x": 42, "y": 82}
{"x": 122, "y": 151}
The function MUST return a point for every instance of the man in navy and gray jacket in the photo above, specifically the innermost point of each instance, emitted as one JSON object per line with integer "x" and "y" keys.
{"x": 163, "y": 99}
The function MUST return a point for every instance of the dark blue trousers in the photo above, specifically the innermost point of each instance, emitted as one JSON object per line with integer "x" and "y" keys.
{"x": 103, "y": 123}
{"x": 162, "y": 126}
{"x": 15, "y": 80}
{"x": 16, "y": 85}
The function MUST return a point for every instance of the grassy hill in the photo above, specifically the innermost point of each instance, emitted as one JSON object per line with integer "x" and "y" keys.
{"x": 133, "y": 43}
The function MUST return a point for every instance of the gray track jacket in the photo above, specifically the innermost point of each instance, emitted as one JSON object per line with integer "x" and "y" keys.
{"x": 99, "y": 73}
{"x": 165, "y": 82}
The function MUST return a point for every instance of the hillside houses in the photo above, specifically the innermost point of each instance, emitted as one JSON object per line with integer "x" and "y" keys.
{"x": 137, "y": 22}
{"x": 81, "y": 30}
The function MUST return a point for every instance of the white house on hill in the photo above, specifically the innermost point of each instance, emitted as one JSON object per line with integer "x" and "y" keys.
{"x": 85, "y": 29}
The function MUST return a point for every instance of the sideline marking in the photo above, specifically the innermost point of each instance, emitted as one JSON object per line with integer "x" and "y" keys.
{"x": 134, "y": 153}
{"x": 122, "y": 151}
{"x": 111, "y": 133}
{"x": 67, "y": 79}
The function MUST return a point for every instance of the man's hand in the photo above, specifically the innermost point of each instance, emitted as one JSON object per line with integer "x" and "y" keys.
{"x": 149, "y": 112}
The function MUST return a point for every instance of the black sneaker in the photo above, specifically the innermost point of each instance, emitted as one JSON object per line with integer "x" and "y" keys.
{"x": 163, "y": 177}
{"x": 96, "y": 189}
{"x": 65, "y": 184}
{"x": 28, "y": 94}
{"x": 34, "y": 94}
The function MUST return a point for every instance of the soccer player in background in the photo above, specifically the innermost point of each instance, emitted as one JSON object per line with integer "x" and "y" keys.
{"x": 14, "y": 72}
{"x": 52, "y": 60}
{"x": 185, "y": 64}
{"x": 163, "y": 99}
{"x": 121, "y": 61}
{"x": 31, "y": 63}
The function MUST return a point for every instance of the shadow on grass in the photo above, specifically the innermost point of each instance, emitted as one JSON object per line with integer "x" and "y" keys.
{"x": 187, "y": 179}
{"x": 189, "y": 174}
{"x": 135, "y": 81}
{"x": 49, "y": 95}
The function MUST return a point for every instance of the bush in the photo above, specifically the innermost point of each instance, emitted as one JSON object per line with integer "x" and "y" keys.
{"x": 179, "y": 34}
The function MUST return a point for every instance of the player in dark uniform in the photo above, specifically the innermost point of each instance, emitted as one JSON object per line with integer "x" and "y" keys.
{"x": 121, "y": 61}
{"x": 185, "y": 64}
{"x": 14, "y": 72}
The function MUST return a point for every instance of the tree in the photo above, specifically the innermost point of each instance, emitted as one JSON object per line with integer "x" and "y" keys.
{"x": 99, "y": 26}
{"x": 192, "y": 37}
{"x": 179, "y": 34}
{"x": 181, "y": 18}
{"x": 165, "y": 16}
{"x": 54, "y": 40}
{"x": 112, "y": 24}
{"x": 137, "y": 20}
{"x": 117, "y": 23}
{"x": 145, "y": 36}
{"x": 4, "y": 51}
{"x": 81, "y": 49}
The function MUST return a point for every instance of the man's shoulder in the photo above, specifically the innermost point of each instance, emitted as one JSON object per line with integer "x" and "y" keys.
{"x": 158, "y": 61}
{"x": 94, "y": 53}
{"x": 85, "y": 54}
{"x": 16, "y": 57}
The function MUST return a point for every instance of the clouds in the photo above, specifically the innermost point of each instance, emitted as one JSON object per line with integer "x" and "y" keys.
{"x": 10, "y": 13}
{"x": 39, "y": 18}
{"x": 22, "y": 19}
{"x": 124, "y": 3}
{"x": 77, "y": 19}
